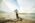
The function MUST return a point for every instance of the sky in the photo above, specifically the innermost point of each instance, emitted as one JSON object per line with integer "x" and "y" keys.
{"x": 23, "y": 6}
{"x": 26, "y": 6}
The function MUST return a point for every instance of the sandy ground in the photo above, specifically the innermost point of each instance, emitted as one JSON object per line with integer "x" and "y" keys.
{"x": 23, "y": 21}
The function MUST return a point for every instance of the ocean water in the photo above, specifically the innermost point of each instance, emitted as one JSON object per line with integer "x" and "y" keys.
{"x": 29, "y": 16}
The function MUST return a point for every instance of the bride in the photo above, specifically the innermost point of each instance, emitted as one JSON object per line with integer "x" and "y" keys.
{"x": 8, "y": 7}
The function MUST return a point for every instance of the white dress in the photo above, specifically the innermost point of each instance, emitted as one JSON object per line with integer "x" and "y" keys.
{"x": 8, "y": 8}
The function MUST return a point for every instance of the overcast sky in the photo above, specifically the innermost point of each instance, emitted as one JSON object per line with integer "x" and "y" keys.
{"x": 26, "y": 6}
{"x": 21, "y": 5}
